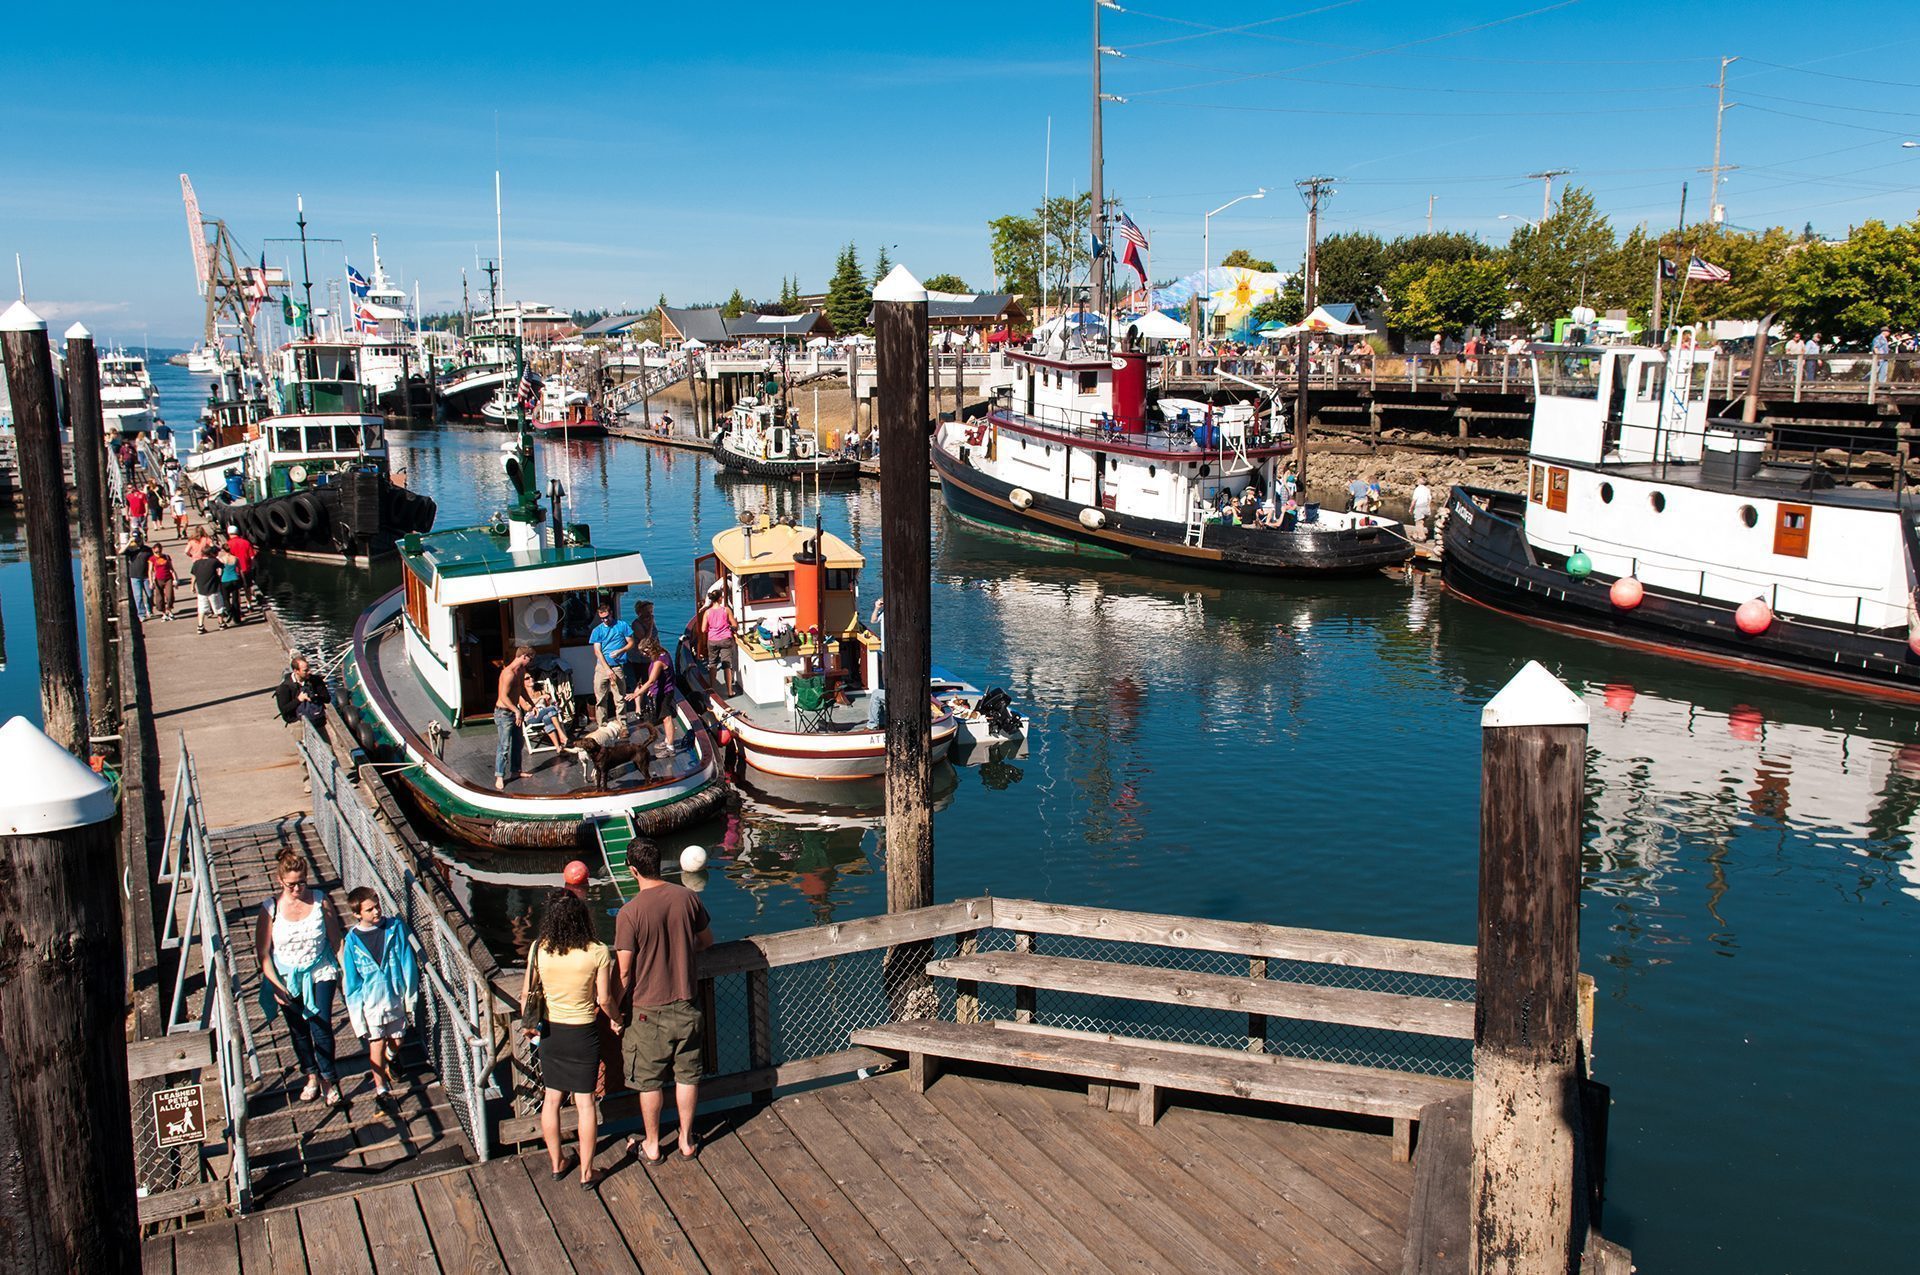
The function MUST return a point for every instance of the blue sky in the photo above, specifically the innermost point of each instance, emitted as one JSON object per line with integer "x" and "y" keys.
{"x": 689, "y": 149}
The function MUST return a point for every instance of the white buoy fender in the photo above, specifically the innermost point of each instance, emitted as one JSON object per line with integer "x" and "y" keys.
{"x": 1093, "y": 518}
{"x": 1021, "y": 498}
{"x": 692, "y": 859}
{"x": 539, "y": 616}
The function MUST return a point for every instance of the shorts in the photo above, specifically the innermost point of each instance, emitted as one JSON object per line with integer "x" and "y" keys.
{"x": 662, "y": 1039}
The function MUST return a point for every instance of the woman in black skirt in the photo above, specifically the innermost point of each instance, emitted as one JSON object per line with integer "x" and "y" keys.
{"x": 576, "y": 972}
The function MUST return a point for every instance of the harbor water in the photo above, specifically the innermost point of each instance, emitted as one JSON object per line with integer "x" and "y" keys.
{"x": 1308, "y": 754}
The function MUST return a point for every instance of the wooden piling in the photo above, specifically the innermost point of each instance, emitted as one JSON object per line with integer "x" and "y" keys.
{"x": 66, "y": 1129}
{"x": 1526, "y": 1021}
{"x": 36, "y": 428}
{"x": 87, "y": 429}
{"x": 906, "y": 567}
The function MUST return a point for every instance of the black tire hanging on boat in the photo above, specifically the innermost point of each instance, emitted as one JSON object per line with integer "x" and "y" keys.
{"x": 279, "y": 519}
{"x": 393, "y": 503}
{"x": 424, "y": 511}
{"x": 308, "y": 513}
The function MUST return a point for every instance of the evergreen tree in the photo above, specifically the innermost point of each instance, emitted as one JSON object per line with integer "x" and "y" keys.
{"x": 881, "y": 266}
{"x": 849, "y": 299}
{"x": 735, "y": 305}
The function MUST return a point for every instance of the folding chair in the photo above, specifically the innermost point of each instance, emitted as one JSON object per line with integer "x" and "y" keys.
{"x": 812, "y": 706}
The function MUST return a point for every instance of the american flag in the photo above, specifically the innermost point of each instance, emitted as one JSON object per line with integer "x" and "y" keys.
{"x": 1136, "y": 240}
{"x": 256, "y": 285}
{"x": 1699, "y": 271}
{"x": 530, "y": 387}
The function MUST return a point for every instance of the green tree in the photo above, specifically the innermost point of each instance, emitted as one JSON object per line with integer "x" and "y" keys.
{"x": 1016, "y": 243}
{"x": 1353, "y": 269}
{"x": 1247, "y": 261}
{"x": 1289, "y": 305}
{"x": 1561, "y": 262}
{"x": 947, "y": 283}
{"x": 1436, "y": 245}
{"x": 849, "y": 298}
{"x": 882, "y": 266}
{"x": 735, "y": 306}
{"x": 1448, "y": 296}
{"x": 1851, "y": 289}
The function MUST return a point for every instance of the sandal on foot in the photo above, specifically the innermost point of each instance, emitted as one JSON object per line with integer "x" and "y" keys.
{"x": 638, "y": 1151}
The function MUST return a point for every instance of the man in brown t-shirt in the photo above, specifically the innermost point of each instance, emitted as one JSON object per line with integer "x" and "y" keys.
{"x": 655, "y": 938}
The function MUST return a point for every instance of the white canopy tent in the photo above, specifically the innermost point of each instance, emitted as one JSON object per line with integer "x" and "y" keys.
{"x": 1078, "y": 320}
{"x": 1320, "y": 323}
{"x": 649, "y": 344}
{"x": 694, "y": 343}
{"x": 816, "y": 343}
{"x": 1156, "y": 326}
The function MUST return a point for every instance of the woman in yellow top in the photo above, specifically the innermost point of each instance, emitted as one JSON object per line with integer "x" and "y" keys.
{"x": 575, "y": 971}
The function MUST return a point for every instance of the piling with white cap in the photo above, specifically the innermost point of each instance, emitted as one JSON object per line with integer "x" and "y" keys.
{"x": 36, "y": 428}
{"x": 88, "y": 432}
{"x": 66, "y": 1132}
{"x": 1526, "y": 1072}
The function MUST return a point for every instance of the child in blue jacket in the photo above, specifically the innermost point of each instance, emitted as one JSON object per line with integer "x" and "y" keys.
{"x": 381, "y": 980}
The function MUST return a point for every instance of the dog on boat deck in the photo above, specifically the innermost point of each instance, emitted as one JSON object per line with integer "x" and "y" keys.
{"x": 607, "y": 748}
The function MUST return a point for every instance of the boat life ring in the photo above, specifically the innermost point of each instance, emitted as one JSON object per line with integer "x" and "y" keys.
{"x": 307, "y": 512}
{"x": 1020, "y": 498}
{"x": 803, "y": 446}
{"x": 539, "y": 616}
{"x": 279, "y": 521}
{"x": 1093, "y": 519}
{"x": 297, "y": 474}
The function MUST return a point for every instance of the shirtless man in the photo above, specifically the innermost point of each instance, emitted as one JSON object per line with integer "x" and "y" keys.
{"x": 510, "y": 707}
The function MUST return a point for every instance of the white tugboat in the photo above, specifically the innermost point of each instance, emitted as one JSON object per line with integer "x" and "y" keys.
{"x": 1647, "y": 525}
{"x": 766, "y": 440}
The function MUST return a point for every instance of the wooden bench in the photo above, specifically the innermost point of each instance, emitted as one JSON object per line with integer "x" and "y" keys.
{"x": 1156, "y": 1067}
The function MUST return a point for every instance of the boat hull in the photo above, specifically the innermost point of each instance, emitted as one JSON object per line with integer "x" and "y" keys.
{"x": 976, "y": 497}
{"x": 483, "y": 816}
{"x": 361, "y": 517}
{"x": 1487, "y": 561}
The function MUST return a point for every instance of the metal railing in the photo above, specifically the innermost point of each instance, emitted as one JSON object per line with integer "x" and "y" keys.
{"x": 457, "y": 1018}
{"x": 195, "y": 917}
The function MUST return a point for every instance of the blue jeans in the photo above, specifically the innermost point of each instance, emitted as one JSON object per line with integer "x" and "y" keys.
{"x": 313, "y": 1033}
{"x": 506, "y": 752}
{"x": 141, "y": 608}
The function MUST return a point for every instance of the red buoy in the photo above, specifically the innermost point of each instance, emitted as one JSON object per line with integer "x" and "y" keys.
{"x": 1627, "y": 593}
{"x": 725, "y": 737}
{"x": 1753, "y": 617}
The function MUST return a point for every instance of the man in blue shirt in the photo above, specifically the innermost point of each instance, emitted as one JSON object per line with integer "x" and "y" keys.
{"x": 612, "y": 643}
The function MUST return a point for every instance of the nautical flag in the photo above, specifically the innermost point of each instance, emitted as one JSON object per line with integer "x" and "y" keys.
{"x": 530, "y": 387}
{"x": 1706, "y": 272}
{"x": 295, "y": 313}
{"x": 256, "y": 287}
{"x": 1668, "y": 270}
{"x": 363, "y": 320}
{"x": 1099, "y": 249}
{"x": 357, "y": 282}
{"x": 1136, "y": 240}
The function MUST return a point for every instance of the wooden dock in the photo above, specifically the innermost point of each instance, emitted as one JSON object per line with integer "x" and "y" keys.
{"x": 976, "y": 1174}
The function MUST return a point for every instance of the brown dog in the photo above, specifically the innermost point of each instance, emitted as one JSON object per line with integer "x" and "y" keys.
{"x": 603, "y": 755}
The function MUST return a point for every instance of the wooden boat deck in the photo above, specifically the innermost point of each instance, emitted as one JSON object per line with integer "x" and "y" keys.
{"x": 975, "y": 1174}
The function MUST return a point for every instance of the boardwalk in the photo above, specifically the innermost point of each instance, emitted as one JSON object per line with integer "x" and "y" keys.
{"x": 869, "y": 1176}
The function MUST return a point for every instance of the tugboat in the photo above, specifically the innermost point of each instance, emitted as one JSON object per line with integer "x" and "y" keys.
{"x": 308, "y": 477}
{"x": 425, "y": 667}
{"x": 1647, "y": 525}
{"x": 802, "y": 705}
{"x": 1080, "y": 452}
{"x": 766, "y": 440}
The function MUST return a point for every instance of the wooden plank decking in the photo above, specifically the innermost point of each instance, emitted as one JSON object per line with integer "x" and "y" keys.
{"x": 868, "y": 1176}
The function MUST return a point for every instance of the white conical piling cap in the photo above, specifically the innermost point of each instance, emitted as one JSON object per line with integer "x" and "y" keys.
{"x": 900, "y": 285}
{"x": 78, "y": 332}
{"x": 45, "y": 788}
{"x": 1535, "y": 697}
{"x": 20, "y": 319}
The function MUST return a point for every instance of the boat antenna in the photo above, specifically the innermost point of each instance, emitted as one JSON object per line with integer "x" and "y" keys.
{"x": 306, "y": 271}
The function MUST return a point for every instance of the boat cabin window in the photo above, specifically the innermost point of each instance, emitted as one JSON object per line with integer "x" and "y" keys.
{"x": 324, "y": 364}
{"x": 767, "y": 586}
{"x": 1573, "y": 374}
{"x": 319, "y": 438}
{"x": 1537, "y": 485}
{"x": 1791, "y": 527}
{"x": 416, "y": 601}
{"x": 1089, "y": 382}
{"x": 1702, "y": 376}
{"x": 1653, "y": 379}
{"x": 286, "y": 438}
{"x": 841, "y": 579}
{"x": 346, "y": 438}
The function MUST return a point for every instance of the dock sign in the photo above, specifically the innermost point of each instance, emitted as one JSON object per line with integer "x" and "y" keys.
{"x": 180, "y": 1116}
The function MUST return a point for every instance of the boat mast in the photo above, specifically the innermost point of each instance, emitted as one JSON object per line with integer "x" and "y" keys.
{"x": 1097, "y": 271}
{"x": 306, "y": 272}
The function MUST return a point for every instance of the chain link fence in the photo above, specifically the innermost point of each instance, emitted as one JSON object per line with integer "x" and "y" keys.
{"x": 456, "y": 1020}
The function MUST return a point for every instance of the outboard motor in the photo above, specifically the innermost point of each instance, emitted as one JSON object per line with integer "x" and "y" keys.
{"x": 997, "y": 707}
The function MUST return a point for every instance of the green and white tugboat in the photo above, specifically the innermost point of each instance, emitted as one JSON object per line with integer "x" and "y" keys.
{"x": 424, "y": 673}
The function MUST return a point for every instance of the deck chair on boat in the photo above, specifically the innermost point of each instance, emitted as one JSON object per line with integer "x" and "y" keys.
{"x": 543, "y": 739}
{"x": 812, "y": 706}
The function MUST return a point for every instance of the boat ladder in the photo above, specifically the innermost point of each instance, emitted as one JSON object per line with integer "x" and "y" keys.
{"x": 1196, "y": 524}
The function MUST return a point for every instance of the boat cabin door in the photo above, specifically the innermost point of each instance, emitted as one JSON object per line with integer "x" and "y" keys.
{"x": 481, "y": 634}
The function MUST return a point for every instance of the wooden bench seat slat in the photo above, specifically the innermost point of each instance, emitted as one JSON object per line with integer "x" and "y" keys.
{"x": 1389, "y": 1011}
{"x": 1265, "y": 1077}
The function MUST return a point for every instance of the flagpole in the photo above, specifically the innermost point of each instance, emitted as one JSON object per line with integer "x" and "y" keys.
{"x": 1046, "y": 218}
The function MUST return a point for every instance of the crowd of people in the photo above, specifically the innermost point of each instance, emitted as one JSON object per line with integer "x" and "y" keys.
{"x": 218, "y": 569}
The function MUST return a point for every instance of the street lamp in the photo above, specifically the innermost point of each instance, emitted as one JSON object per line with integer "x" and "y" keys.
{"x": 1206, "y": 238}
{"x": 1531, "y": 223}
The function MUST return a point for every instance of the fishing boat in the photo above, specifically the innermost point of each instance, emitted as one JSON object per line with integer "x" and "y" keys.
{"x": 425, "y": 666}
{"x": 765, "y": 439}
{"x": 1648, "y": 525}
{"x": 308, "y": 476}
{"x": 1082, "y": 452}
{"x": 802, "y": 704}
{"x": 126, "y": 394}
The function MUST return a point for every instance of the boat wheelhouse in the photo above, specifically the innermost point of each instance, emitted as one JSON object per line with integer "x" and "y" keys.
{"x": 766, "y": 439}
{"x": 1082, "y": 450}
{"x": 1647, "y": 524}
{"x": 802, "y": 704}
{"x": 425, "y": 670}
{"x": 126, "y": 394}
{"x": 309, "y": 475}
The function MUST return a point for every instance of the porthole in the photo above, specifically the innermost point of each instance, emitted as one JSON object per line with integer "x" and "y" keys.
{"x": 1749, "y": 516}
{"x": 1151, "y": 471}
{"x": 1606, "y": 493}
{"x": 1205, "y": 470}
{"x": 1659, "y": 501}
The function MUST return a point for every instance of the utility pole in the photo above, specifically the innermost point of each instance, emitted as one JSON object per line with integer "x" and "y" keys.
{"x": 1311, "y": 188}
{"x": 1430, "y": 199}
{"x": 1097, "y": 268}
{"x": 1546, "y": 189}
{"x": 1715, "y": 213}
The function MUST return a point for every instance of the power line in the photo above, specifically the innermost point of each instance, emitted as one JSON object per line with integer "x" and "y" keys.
{"x": 1829, "y": 75}
{"x": 1246, "y": 28}
{"x": 1863, "y": 128}
{"x": 1400, "y": 114}
{"x": 1423, "y": 88}
{"x": 1832, "y": 106}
